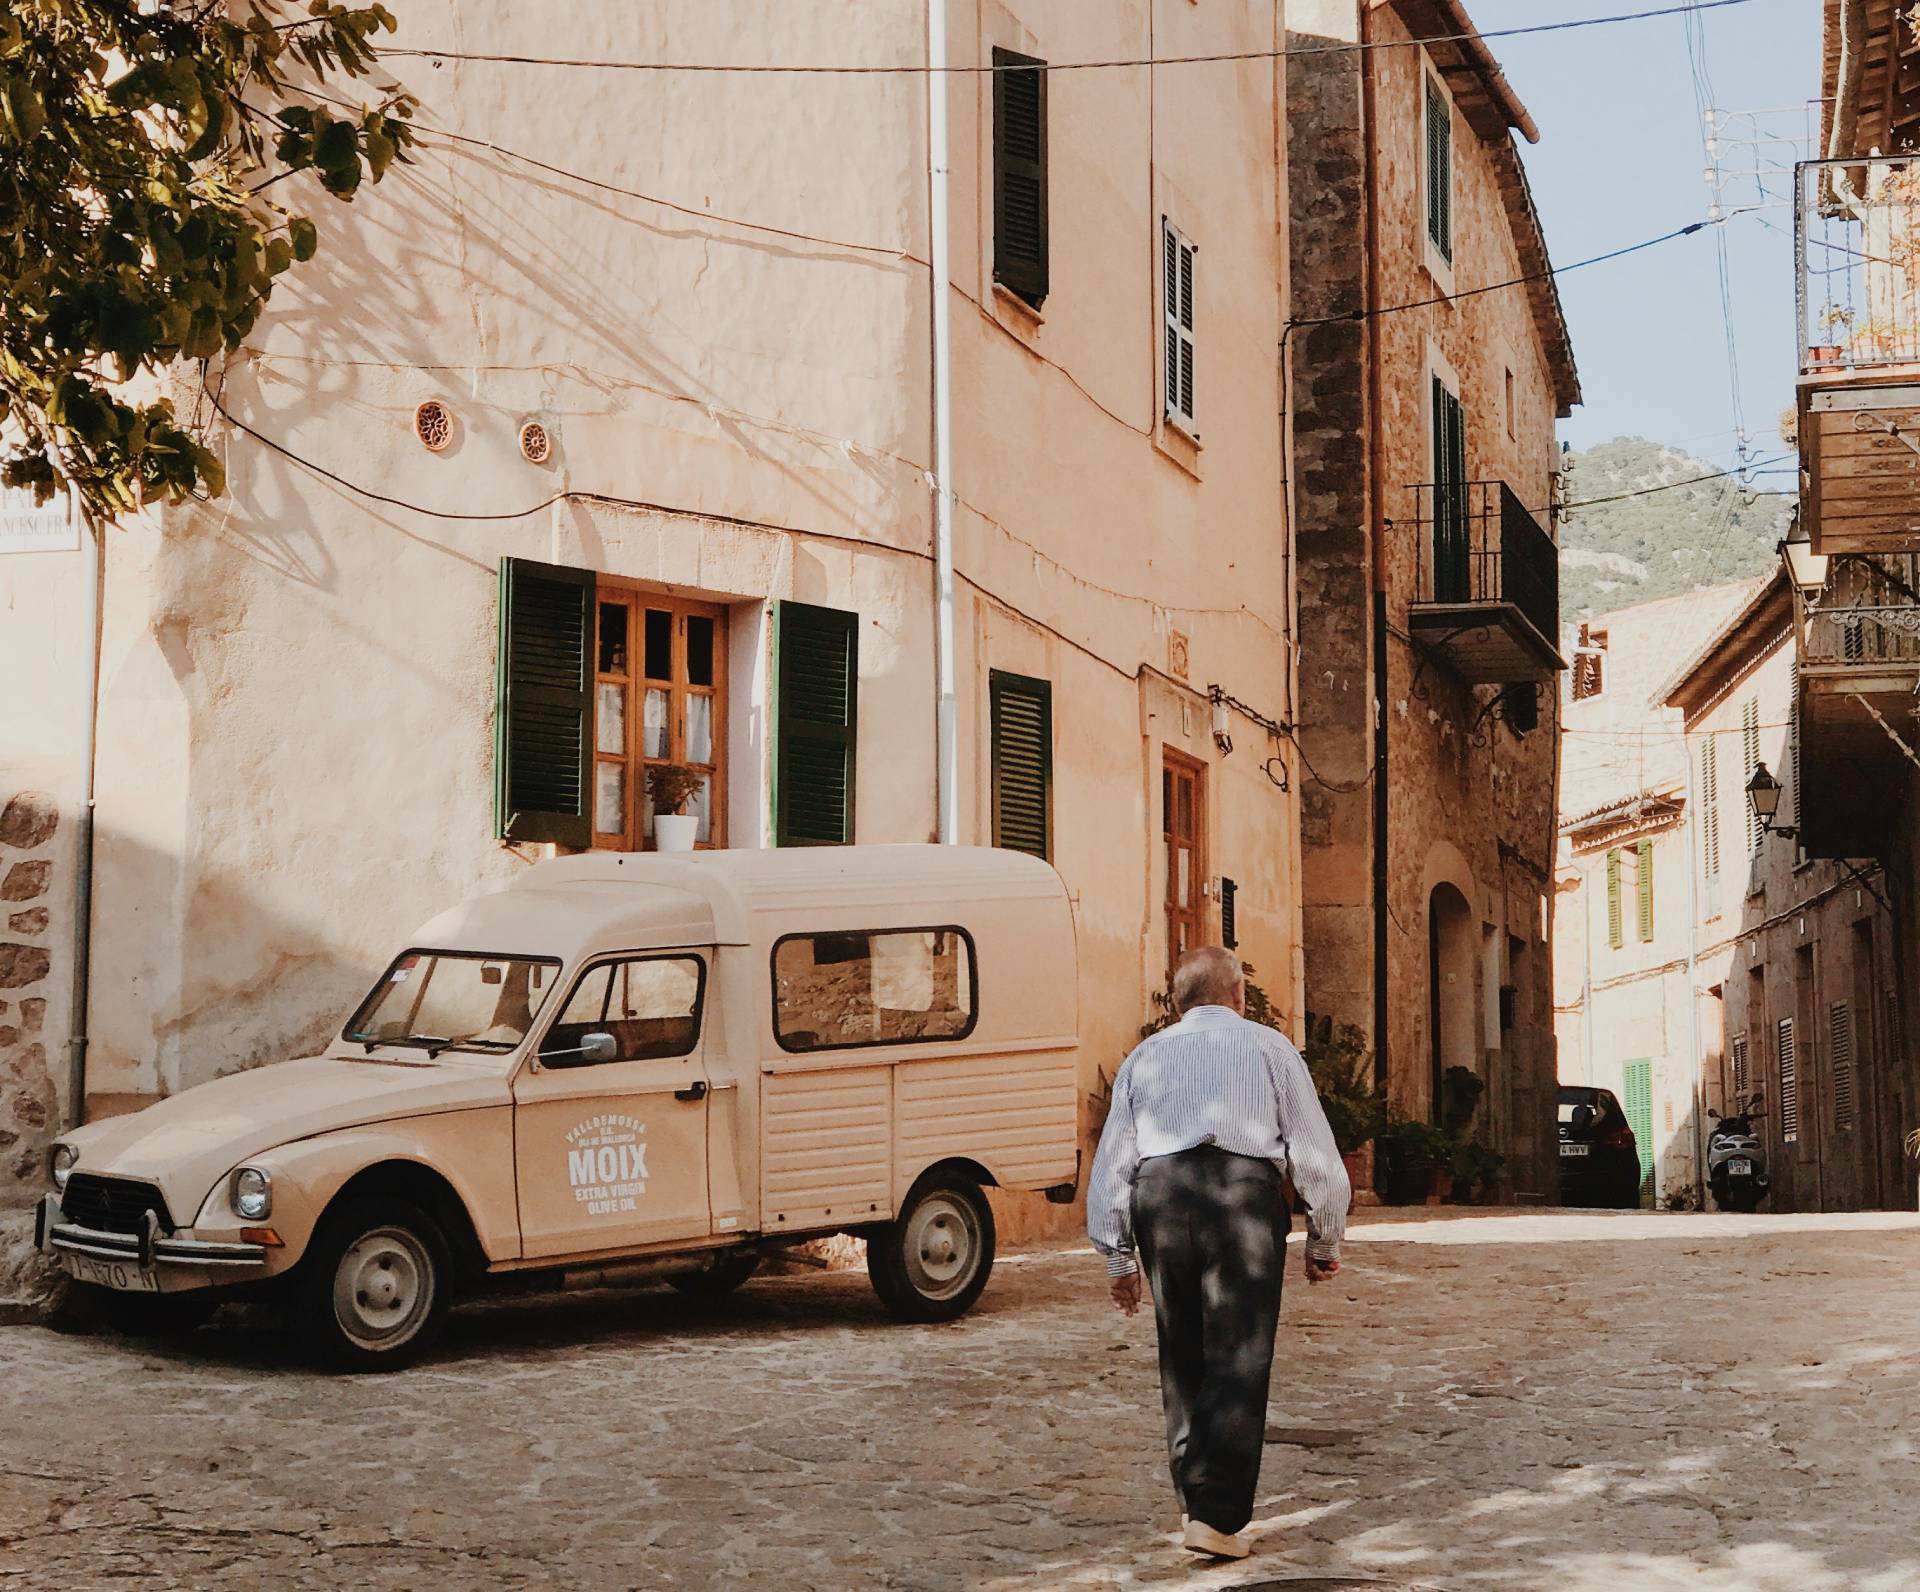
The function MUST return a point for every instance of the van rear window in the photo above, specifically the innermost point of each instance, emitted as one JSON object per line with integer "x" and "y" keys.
{"x": 837, "y": 990}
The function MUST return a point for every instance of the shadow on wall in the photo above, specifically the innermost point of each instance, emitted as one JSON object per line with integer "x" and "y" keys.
{"x": 29, "y": 965}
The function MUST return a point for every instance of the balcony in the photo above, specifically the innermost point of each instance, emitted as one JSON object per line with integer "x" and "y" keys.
{"x": 1488, "y": 593}
{"x": 1857, "y": 248}
{"x": 1859, "y": 666}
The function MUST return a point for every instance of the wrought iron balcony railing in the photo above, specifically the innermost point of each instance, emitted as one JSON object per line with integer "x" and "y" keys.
{"x": 1857, "y": 263}
{"x": 1867, "y": 614}
{"x": 1481, "y": 545}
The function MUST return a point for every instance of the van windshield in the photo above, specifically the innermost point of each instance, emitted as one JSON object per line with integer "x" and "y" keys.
{"x": 454, "y": 1000}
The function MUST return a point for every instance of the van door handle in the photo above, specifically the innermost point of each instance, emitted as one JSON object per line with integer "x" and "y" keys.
{"x": 693, "y": 1091}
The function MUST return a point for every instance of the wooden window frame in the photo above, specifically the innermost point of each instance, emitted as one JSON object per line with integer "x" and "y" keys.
{"x": 1172, "y": 761}
{"x": 637, "y": 598}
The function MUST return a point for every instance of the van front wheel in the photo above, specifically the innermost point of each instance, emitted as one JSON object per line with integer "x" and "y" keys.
{"x": 931, "y": 1261}
{"x": 375, "y": 1285}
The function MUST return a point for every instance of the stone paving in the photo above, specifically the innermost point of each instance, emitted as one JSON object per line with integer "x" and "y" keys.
{"x": 1581, "y": 1403}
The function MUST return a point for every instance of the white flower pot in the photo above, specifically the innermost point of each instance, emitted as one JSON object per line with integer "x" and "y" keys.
{"x": 674, "y": 831}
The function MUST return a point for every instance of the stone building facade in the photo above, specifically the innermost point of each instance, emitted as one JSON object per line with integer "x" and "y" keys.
{"x": 1425, "y": 471}
{"x": 688, "y": 376}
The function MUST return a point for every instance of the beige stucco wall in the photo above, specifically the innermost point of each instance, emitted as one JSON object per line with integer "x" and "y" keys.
{"x": 297, "y": 681}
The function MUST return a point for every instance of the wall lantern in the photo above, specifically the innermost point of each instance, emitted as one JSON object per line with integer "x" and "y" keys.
{"x": 1805, "y": 568}
{"x": 1763, "y": 791}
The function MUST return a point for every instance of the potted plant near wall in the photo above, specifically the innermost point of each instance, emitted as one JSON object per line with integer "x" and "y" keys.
{"x": 672, "y": 787}
{"x": 1342, "y": 1067}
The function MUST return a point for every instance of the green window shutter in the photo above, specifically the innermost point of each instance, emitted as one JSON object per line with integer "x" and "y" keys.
{"x": 817, "y": 697}
{"x": 1022, "y": 735}
{"x": 1615, "y": 937}
{"x": 1644, "y": 869}
{"x": 1439, "y": 171}
{"x": 543, "y": 707}
{"x": 1750, "y": 756}
{"x": 1020, "y": 254}
{"x": 1636, "y": 1094}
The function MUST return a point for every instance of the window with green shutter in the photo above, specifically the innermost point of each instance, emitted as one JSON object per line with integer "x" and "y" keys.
{"x": 1020, "y": 253}
{"x": 816, "y": 691}
{"x": 1643, "y": 867}
{"x": 543, "y": 710}
{"x": 1439, "y": 171}
{"x": 1452, "y": 533}
{"x": 1022, "y": 736}
{"x": 1636, "y": 1099}
{"x": 1616, "y": 936}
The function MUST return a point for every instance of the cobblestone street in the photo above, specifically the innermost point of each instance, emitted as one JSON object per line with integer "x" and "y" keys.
{"x": 1521, "y": 1401}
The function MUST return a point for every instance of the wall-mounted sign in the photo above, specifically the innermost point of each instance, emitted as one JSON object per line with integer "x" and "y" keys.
{"x": 29, "y": 527}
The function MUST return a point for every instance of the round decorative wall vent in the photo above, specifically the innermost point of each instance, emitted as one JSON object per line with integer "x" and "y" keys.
{"x": 433, "y": 424}
{"x": 536, "y": 442}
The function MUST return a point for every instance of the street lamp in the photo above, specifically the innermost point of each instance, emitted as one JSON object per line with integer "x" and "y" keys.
{"x": 1805, "y": 568}
{"x": 1763, "y": 791}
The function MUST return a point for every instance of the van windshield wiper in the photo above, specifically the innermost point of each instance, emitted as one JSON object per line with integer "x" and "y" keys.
{"x": 432, "y": 1044}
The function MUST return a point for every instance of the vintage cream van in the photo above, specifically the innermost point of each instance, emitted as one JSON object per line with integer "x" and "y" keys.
{"x": 621, "y": 1066}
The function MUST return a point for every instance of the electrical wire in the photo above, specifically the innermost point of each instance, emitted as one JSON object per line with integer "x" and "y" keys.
{"x": 1693, "y": 480}
{"x": 988, "y": 69}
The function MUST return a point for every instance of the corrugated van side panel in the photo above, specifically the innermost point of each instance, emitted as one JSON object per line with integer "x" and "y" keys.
{"x": 824, "y": 1141}
{"x": 1016, "y": 1115}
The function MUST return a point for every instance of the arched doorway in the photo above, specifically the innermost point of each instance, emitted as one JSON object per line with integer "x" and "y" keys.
{"x": 1450, "y": 987}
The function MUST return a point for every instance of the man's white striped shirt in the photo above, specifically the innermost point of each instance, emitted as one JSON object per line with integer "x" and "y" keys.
{"x": 1216, "y": 1078}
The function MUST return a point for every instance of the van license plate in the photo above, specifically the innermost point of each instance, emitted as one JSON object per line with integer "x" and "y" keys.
{"x": 118, "y": 1274}
{"x": 1739, "y": 1166}
{"x": 1574, "y": 1149}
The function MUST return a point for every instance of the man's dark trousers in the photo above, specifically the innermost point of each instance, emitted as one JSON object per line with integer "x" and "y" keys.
{"x": 1212, "y": 1232}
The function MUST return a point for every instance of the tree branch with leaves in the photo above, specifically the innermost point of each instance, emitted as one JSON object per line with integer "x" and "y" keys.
{"x": 142, "y": 146}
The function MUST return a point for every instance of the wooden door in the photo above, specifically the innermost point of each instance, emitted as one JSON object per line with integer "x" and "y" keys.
{"x": 1183, "y": 806}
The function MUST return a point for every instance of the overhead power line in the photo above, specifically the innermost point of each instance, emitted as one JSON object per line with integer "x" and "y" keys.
{"x": 984, "y": 69}
{"x": 1668, "y": 486}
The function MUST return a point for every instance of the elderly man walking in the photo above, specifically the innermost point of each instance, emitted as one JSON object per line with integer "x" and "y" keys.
{"x": 1208, "y": 1117}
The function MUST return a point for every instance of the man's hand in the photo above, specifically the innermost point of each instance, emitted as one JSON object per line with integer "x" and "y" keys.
{"x": 1321, "y": 1270}
{"x": 1126, "y": 1293}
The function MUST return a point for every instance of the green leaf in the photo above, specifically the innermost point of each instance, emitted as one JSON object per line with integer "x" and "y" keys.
{"x": 303, "y": 236}
{"x": 279, "y": 256}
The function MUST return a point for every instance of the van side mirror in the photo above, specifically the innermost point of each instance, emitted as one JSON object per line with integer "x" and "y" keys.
{"x": 592, "y": 1048}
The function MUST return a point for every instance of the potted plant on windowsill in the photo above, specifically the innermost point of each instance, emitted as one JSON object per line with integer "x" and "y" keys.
{"x": 672, "y": 787}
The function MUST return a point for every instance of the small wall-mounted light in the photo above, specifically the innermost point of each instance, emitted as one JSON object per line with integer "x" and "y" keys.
{"x": 1222, "y": 737}
{"x": 1763, "y": 792}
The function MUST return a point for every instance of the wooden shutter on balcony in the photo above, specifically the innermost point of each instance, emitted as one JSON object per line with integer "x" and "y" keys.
{"x": 1022, "y": 735}
{"x": 1643, "y": 869}
{"x": 1439, "y": 171}
{"x": 816, "y": 695}
{"x": 1020, "y": 249}
{"x": 1616, "y": 936}
{"x": 543, "y": 710}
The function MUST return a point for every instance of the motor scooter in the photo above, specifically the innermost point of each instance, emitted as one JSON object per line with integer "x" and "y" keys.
{"x": 1736, "y": 1164}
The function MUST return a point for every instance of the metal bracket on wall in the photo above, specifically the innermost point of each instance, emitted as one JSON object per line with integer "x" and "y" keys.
{"x": 1429, "y": 651}
{"x": 1495, "y": 712}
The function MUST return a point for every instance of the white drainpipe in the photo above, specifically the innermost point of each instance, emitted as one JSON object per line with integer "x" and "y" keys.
{"x": 946, "y": 746}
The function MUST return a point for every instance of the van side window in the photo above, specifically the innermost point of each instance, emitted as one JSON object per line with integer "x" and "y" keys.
{"x": 650, "y": 1005}
{"x": 833, "y": 991}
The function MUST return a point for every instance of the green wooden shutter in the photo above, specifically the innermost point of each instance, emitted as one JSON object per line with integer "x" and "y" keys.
{"x": 1616, "y": 936}
{"x": 1644, "y": 868}
{"x": 1452, "y": 552}
{"x": 1750, "y": 756}
{"x": 1022, "y": 735}
{"x": 1439, "y": 171}
{"x": 1637, "y": 1098}
{"x": 543, "y": 707}
{"x": 817, "y": 696}
{"x": 1020, "y": 253}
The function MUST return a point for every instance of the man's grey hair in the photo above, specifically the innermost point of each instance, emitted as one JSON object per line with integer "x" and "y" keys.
{"x": 1208, "y": 975}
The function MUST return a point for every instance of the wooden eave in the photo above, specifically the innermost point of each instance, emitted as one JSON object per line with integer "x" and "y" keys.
{"x": 1889, "y": 119}
{"x": 1494, "y": 111}
{"x": 1763, "y": 624}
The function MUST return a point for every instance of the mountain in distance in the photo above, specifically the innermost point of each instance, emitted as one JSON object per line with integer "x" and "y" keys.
{"x": 1614, "y": 555}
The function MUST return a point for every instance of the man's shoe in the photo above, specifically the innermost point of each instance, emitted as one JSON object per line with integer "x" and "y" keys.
{"x": 1199, "y": 1537}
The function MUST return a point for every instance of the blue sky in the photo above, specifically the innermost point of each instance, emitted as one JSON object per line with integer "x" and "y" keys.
{"x": 1621, "y": 159}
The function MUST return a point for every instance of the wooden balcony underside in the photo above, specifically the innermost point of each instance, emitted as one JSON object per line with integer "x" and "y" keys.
{"x": 1487, "y": 643}
{"x": 1852, "y": 771}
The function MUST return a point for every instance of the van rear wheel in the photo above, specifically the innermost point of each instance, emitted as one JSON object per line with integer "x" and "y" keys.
{"x": 375, "y": 1285}
{"x": 930, "y": 1262}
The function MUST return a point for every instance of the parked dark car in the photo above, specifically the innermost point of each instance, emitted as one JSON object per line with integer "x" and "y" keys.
{"x": 1599, "y": 1158}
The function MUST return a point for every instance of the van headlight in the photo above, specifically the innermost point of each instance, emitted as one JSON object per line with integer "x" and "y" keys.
{"x": 252, "y": 1194}
{"x": 60, "y": 1161}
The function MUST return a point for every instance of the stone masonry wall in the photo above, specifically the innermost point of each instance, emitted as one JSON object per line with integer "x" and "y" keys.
{"x": 29, "y": 1099}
